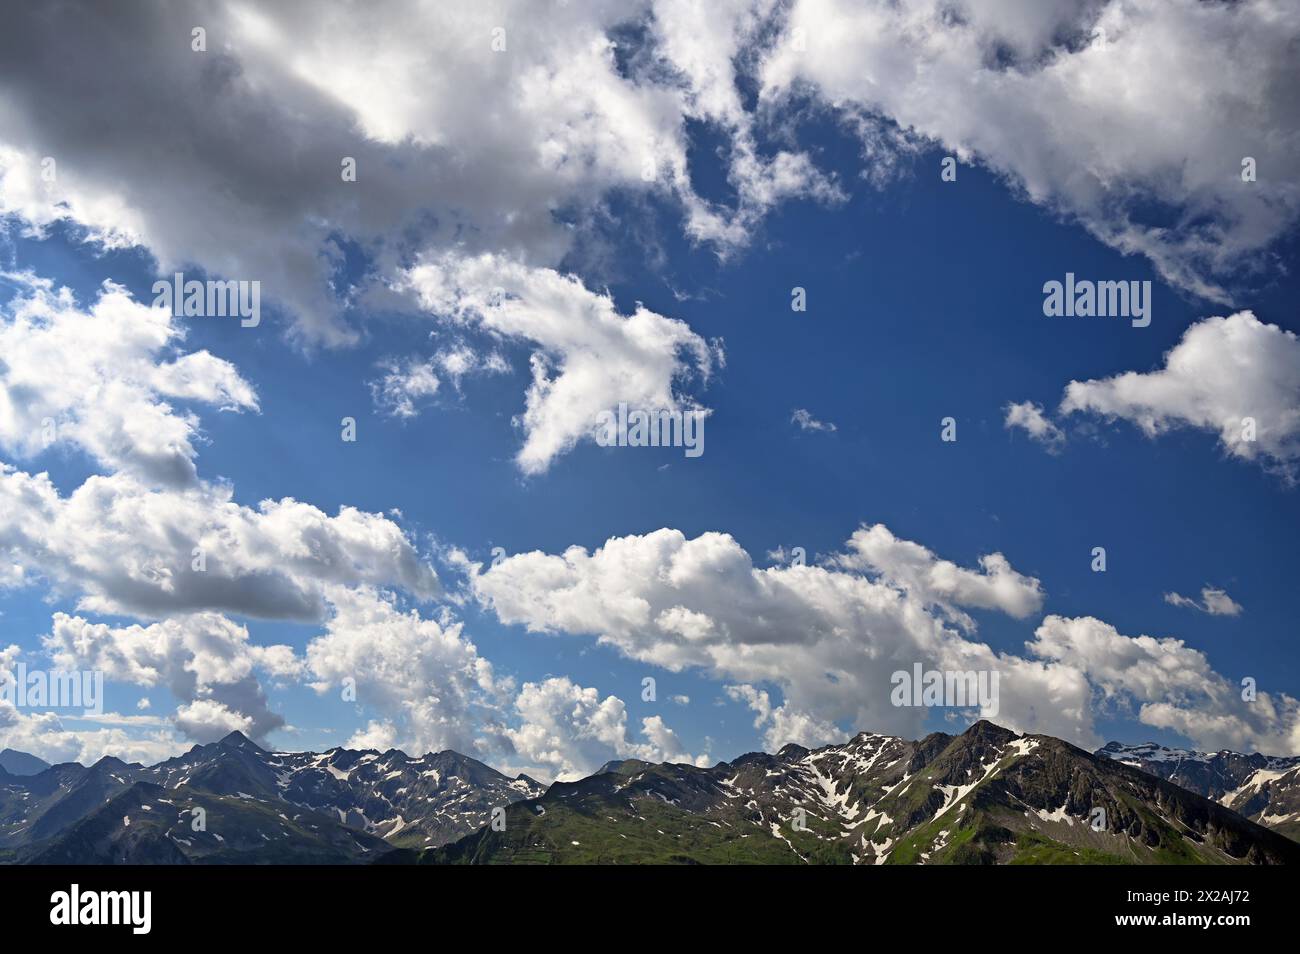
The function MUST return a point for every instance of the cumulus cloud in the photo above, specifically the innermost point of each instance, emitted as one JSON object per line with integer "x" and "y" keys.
{"x": 1029, "y": 417}
{"x": 938, "y": 582}
{"x": 454, "y": 140}
{"x": 1214, "y": 601}
{"x": 421, "y": 683}
{"x": 1172, "y": 686}
{"x": 828, "y": 637}
{"x": 207, "y": 720}
{"x": 150, "y": 538}
{"x": 206, "y": 661}
{"x": 588, "y": 356}
{"x": 422, "y": 673}
{"x": 378, "y": 734}
{"x": 1098, "y": 109}
{"x": 457, "y": 142}
{"x": 568, "y": 731}
{"x": 1235, "y": 377}
{"x": 102, "y": 378}
{"x": 781, "y": 724}
{"x": 430, "y": 689}
{"x": 121, "y": 547}
{"x": 702, "y": 48}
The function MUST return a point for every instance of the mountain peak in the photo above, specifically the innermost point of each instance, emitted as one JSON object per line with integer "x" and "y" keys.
{"x": 21, "y": 763}
{"x": 615, "y": 766}
{"x": 984, "y": 729}
{"x": 237, "y": 740}
{"x": 109, "y": 762}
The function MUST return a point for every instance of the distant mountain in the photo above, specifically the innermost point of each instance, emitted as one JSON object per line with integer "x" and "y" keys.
{"x": 1265, "y": 789}
{"x": 987, "y": 796}
{"x": 340, "y": 806}
{"x": 20, "y": 763}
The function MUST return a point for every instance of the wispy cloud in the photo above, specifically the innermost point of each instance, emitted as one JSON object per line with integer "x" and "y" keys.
{"x": 1214, "y": 601}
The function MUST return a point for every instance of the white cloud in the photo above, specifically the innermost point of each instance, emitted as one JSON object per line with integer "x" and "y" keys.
{"x": 937, "y": 582}
{"x": 459, "y": 360}
{"x": 1173, "y": 686}
{"x": 807, "y": 422}
{"x": 101, "y": 378}
{"x": 1030, "y": 418}
{"x": 458, "y": 143}
{"x": 704, "y": 45}
{"x": 380, "y": 735}
{"x": 1222, "y": 372}
{"x": 421, "y": 674}
{"x": 407, "y": 383}
{"x": 45, "y": 735}
{"x": 828, "y": 638}
{"x": 403, "y": 385}
{"x": 1219, "y": 603}
{"x": 568, "y": 731}
{"x": 1101, "y": 110}
{"x": 206, "y": 720}
{"x": 205, "y": 661}
{"x": 127, "y": 548}
{"x": 783, "y": 725}
{"x": 423, "y": 684}
{"x": 589, "y": 358}
{"x": 430, "y": 690}
{"x": 150, "y": 538}
{"x": 454, "y": 142}
{"x": 1214, "y": 601}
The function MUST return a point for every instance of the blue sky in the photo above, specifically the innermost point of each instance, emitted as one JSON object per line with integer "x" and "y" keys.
{"x": 924, "y": 300}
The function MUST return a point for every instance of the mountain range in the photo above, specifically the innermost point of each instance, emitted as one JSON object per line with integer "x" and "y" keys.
{"x": 340, "y": 806}
{"x": 1266, "y": 789}
{"x": 985, "y": 796}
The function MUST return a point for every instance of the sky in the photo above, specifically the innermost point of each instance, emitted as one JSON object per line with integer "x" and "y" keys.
{"x": 824, "y": 227}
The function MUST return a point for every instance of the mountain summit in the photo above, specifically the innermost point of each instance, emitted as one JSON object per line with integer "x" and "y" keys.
{"x": 237, "y": 740}
{"x": 20, "y": 763}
